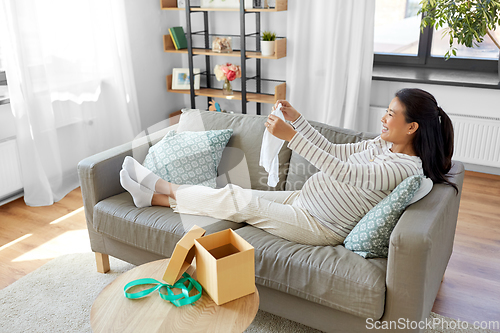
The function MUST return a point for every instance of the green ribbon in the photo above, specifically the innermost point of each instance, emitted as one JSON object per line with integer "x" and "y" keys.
{"x": 178, "y": 300}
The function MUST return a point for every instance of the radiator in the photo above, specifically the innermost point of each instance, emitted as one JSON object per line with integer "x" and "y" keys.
{"x": 10, "y": 169}
{"x": 477, "y": 138}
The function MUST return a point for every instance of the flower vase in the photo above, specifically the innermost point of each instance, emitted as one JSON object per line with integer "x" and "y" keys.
{"x": 226, "y": 88}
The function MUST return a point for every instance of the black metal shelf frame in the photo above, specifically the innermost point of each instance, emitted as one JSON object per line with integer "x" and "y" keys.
{"x": 208, "y": 74}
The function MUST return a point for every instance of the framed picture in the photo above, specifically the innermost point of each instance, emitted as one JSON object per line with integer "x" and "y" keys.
{"x": 180, "y": 79}
{"x": 225, "y": 4}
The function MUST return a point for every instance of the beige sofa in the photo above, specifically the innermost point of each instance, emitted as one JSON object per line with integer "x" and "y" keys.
{"x": 325, "y": 287}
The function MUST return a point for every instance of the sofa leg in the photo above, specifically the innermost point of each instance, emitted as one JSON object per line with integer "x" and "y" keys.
{"x": 102, "y": 261}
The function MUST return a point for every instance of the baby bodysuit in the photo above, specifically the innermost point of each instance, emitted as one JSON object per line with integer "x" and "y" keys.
{"x": 269, "y": 150}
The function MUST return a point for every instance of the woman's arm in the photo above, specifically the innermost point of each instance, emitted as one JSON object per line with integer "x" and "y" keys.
{"x": 341, "y": 151}
{"x": 382, "y": 174}
{"x": 301, "y": 125}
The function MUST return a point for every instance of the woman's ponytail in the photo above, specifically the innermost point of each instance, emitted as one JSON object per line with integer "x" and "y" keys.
{"x": 433, "y": 141}
{"x": 448, "y": 138}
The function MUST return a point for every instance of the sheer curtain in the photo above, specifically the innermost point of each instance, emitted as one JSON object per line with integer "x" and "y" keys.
{"x": 71, "y": 87}
{"x": 329, "y": 60}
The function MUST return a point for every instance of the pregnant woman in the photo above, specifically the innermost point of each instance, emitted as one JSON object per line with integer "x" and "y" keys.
{"x": 416, "y": 139}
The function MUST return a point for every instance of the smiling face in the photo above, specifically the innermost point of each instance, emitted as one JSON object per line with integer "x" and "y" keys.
{"x": 395, "y": 129}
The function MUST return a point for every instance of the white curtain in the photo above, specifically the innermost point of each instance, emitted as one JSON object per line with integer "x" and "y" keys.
{"x": 329, "y": 60}
{"x": 71, "y": 87}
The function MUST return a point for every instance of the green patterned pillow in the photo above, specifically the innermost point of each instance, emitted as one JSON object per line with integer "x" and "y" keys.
{"x": 370, "y": 237}
{"x": 188, "y": 157}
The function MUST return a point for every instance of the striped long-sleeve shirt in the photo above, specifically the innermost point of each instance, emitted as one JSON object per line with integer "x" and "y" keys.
{"x": 352, "y": 178}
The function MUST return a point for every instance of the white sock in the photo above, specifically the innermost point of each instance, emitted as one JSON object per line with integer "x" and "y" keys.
{"x": 139, "y": 173}
{"x": 142, "y": 196}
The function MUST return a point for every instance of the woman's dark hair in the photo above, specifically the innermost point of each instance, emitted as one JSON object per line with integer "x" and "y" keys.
{"x": 433, "y": 141}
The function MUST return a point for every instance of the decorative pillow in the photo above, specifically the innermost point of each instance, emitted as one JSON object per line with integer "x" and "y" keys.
{"x": 424, "y": 189}
{"x": 370, "y": 237}
{"x": 188, "y": 157}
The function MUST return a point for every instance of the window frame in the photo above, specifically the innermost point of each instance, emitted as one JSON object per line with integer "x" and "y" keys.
{"x": 424, "y": 59}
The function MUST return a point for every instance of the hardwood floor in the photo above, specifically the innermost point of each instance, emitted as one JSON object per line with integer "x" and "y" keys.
{"x": 471, "y": 287}
{"x": 32, "y": 236}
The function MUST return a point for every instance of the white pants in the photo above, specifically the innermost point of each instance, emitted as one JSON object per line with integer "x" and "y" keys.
{"x": 272, "y": 211}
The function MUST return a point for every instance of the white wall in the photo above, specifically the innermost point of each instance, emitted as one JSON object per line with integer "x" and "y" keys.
{"x": 458, "y": 100}
{"x": 147, "y": 24}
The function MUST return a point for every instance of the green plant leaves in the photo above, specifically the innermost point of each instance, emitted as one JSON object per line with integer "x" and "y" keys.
{"x": 468, "y": 20}
{"x": 268, "y": 36}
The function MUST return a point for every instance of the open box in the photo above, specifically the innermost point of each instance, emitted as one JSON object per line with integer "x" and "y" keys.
{"x": 225, "y": 264}
{"x": 183, "y": 255}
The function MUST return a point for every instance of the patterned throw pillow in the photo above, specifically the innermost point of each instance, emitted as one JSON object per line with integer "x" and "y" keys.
{"x": 370, "y": 237}
{"x": 188, "y": 157}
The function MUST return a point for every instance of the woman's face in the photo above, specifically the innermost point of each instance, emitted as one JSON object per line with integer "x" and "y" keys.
{"x": 395, "y": 129}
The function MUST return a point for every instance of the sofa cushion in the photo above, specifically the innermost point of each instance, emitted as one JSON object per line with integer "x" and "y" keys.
{"x": 300, "y": 169}
{"x": 244, "y": 146}
{"x": 370, "y": 237}
{"x": 155, "y": 229}
{"x": 189, "y": 157}
{"x": 328, "y": 275}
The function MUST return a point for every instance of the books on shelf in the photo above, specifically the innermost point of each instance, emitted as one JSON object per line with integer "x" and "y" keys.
{"x": 178, "y": 37}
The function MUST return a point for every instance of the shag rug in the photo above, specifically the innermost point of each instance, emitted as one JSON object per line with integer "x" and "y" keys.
{"x": 58, "y": 297}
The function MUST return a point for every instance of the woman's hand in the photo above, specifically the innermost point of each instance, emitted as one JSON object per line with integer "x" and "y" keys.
{"x": 280, "y": 129}
{"x": 289, "y": 112}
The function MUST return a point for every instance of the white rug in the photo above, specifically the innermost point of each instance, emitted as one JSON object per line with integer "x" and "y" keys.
{"x": 58, "y": 297}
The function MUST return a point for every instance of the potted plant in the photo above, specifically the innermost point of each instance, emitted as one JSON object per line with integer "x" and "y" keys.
{"x": 267, "y": 43}
{"x": 468, "y": 20}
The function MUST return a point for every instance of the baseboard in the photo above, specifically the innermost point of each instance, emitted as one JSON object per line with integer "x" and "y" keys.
{"x": 11, "y": 197}
{"x": 482, "y": 168}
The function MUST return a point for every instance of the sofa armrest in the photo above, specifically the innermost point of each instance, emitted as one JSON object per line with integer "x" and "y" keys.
{"x": 100, "y": 176}
{"x": 420, "y": 248}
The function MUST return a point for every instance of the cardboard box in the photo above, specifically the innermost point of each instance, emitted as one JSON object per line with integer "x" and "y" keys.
{"x": 183, "y": 255}
{"x": 225, "y": 266}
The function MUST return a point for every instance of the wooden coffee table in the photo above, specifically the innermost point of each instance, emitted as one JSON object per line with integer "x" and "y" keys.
{"x": 113, "y": 312}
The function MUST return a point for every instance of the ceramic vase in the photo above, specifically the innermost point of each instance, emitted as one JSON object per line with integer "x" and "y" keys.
{"x": 267, "y": 48}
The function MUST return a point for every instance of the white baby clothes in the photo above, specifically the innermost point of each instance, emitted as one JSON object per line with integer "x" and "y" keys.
{"x": 269, "y": 150}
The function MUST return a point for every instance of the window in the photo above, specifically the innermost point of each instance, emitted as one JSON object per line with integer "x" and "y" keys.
{"x": 399, "y": 41}
{"x": 397, "y": 27}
